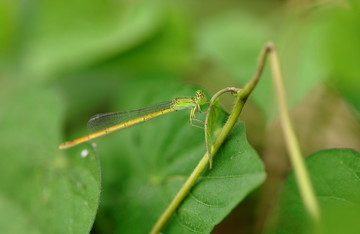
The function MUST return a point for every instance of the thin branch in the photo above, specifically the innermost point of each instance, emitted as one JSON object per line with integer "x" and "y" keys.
{"x": 292, "y": 143}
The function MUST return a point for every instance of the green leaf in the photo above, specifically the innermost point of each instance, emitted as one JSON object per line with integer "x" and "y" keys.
{"x": 146, "y": 165}
{"x": 335, "y": 177}
{"x": 233, "y": 41}
{"x": 69, "y": 34}
{"x": 237, "y": 171}
{"x": 42, "y": 190}
{"x": 168, "y": 51}
{"x": 303, "y": 54}
{"x": 344, "y": 52}
{"x": 9, "y": 21}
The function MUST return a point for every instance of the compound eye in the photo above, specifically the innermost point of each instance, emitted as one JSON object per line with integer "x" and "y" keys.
{"x": 199, "y": 94}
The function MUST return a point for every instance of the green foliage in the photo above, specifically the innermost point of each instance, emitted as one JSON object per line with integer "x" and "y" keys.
{"x": 97, "y": 31}
{"x": 237, "y": 171}
{"x": 313, "y": 48}
{"x": 223, "y": 40}
{"x": 344, "y": 53}
{"x": 153, "y": 160}
{"x": 335, "y": 177}
{"x": 42, "y": 190}
{"x": 63, "y": 61}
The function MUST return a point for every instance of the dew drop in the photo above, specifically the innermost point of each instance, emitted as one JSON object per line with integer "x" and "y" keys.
{"x": 84, "y": 153}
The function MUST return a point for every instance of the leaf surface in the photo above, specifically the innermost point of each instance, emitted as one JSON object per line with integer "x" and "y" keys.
{"x": 150, "y": 162}
{"x": 335, "y": 176}
{"x": 42, "y": 190}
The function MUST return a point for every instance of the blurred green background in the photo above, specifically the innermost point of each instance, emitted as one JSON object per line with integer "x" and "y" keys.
{"x": 63, "y": 61}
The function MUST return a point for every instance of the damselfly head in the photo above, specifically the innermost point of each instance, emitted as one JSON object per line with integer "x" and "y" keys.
{"x": 200, "y": 97}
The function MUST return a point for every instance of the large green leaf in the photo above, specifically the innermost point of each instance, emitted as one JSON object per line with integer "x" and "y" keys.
{"x": 144, "y": 167}
{"x": 344, "y": 52}
{"x": 67, "y": 34}
{"x": 42, "y": 190}
{"x": 236, "y": 172}
{"x": 335, "y": 177}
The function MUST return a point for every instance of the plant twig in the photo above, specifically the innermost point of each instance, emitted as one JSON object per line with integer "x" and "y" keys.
{"x": 292, "y": 143}
{"x": 242, "y": 96}
{"x": 207, "y": 119}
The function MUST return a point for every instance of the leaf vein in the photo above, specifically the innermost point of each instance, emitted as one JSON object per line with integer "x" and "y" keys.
{"x": 203, "y": 202}
{"x": 339, "y": 199}
{"x": 180, "y": 222}
{"x": 224, "y": 177}
{"x": 351, "y": 170}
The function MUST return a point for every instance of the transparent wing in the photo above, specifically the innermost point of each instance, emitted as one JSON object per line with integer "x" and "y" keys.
{"x": 101, "y": 121}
